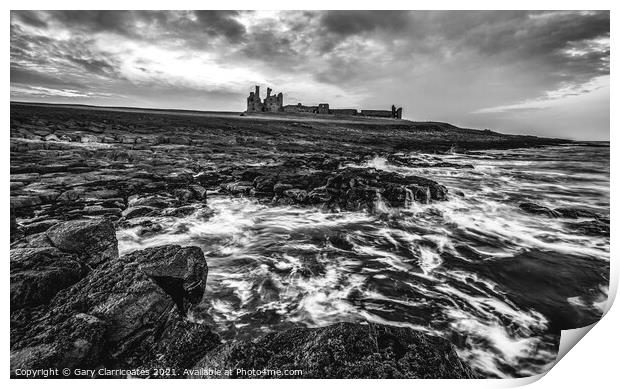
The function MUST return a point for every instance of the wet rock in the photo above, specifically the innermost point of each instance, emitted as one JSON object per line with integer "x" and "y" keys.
{"x": 237, "y": 188}
{"x": 576, "y": 213}
{"x": 264, "y": 185}
{"x": 38, "y": 273}
{"x": 180, "y": 271}
{"x": 180, "y": 211}
{"x": 536, "y": 209}
{"x": 590, "y": 227}
{"x": 69, "y": 196}
{"x": 102, "y": 194}
{"x": 299, "y": 195}
{"x": 343, "y": 350}
{"x": 80, "y": 344}
{"x": 52, "y": 138}
{"x": 121, "y": 315}
{"x": 205, "y": 213}
{"x": 149, "y": 228}
{"x": 152, "y": 201}
{"x": 361, "y": 188}
{"x": 25, "y": 201}
{"x": 340, "y": 241}
{"x": 93, "y": 240}
{"x": 14, "y": 228}
{"x": 99, "y": 210}
{"x": 279, "y": 188}
{"x": 319, "y": 196}
{"x": 88, "y": 139}
{"x": 39, "y": 226}
{"x": 139, "y": 211}
{"x": 198, "y": 192}
{"x": 183, "y": 195}
{"x": 546, "y": 282}
{"x": 178, "y": 140}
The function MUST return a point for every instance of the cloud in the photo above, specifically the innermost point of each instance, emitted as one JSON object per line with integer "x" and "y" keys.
{"x": 222, "y": 23}
{"x": 356, "y": 22}
{"x": 550, "y": 98}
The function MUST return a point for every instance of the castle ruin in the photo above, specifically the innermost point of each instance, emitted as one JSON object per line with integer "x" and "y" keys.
{"x": 274, "y": 103}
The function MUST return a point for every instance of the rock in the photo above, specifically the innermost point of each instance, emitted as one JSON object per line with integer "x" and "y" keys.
{"x": 180, "y": 271}
{"x": 590, "y": 227}
{"x": 39, "y": 226}
{"x": 264, "y": 185}
{"x": 139, "y": 211}
{"x": 38, "y": 273}
{"x": 576, "y": 213}
{"x": 99, "y": 210}
{"x": 279, "y": 188}
{"x": 343, "y": 350}
{"x": 180, "y": 211}
{"x": 183, "y": 195}
{"x": 236, "y": 188}
{"x": 355, "y": 188}
{"x": 93, "y": 240}
{"x": 126, "y": 139}
{"x": 205, "y": 213}
{"x": 25, "y": 201}
{"x": 299, "y": 195}
{"x": 88, "y": 139}
{"x": 148, "y": 228}
{"x": 120, "y": 315}
{"x": 152, "y": 201}
{"x": 14, "y": 228}
{"x": 69, "y": 196}
{"x": 178, "y": 140}
{"x": 102, "y": 194}
{"x": 536, "y": 209}
{"x": 52, "y": 138}
{"x": 198, "y": 191}
{"x": 79, "y": 343}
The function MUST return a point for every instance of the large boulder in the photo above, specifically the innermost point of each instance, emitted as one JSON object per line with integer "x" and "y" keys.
{"x": 343, "y": 350}
{"x": 123, "y": 314}
{"x": 180, "y": 271}
{"x": 58, "y": 258}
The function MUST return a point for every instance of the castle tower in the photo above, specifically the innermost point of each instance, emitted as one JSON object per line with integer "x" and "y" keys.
{"x": 254, "y": 101}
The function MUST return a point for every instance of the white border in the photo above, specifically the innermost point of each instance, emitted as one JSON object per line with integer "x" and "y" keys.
{"x": 593, "y": 363}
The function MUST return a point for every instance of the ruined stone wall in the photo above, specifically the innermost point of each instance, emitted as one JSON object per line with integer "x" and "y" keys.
{"x": 344, "y": 111}
{"x": 300, "y": 108}
{"x": 376, "y": 113}
{"x": 323, "y": 109}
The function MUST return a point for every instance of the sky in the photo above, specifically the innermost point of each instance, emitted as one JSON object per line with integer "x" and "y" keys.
{"x": 544, "y": 73}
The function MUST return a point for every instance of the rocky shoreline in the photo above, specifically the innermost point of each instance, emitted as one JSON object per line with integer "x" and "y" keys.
{"x": 75, "y": 304}
{"x": 78, "y": 175}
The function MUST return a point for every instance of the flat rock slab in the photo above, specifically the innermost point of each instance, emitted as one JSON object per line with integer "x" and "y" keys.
{"x": 343, "y": 350}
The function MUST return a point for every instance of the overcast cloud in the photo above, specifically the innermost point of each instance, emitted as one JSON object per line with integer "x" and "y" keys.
{"x": 543, "y": 73}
